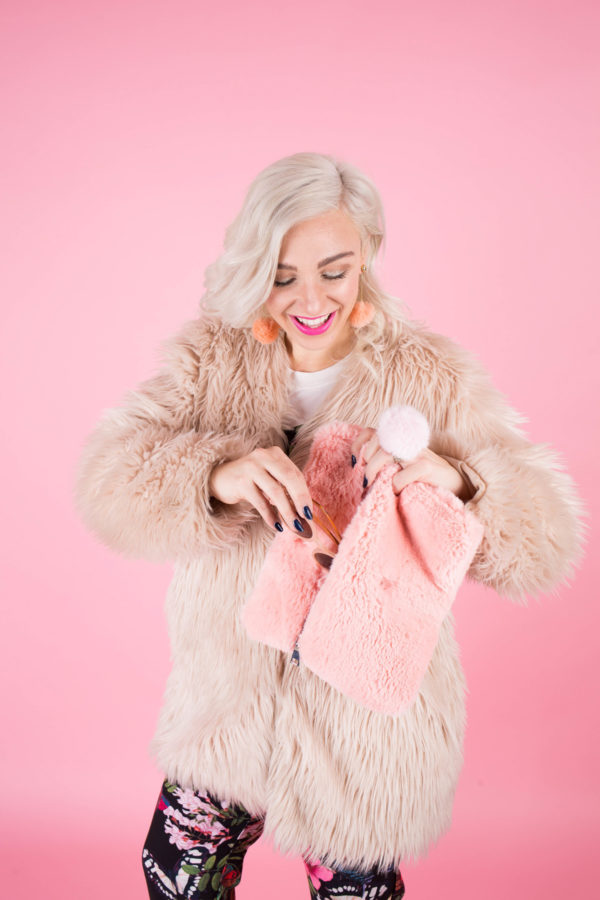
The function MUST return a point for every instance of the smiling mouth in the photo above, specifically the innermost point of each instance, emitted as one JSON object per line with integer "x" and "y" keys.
{"x": 313, "y": 323}
{"x": 312, "y": 320}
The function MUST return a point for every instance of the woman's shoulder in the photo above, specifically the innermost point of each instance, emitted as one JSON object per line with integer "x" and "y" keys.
{"x": 436, "y": 366}
{"x": 421, "y": 350}
{"x": 203, "y": 333}
{"x": 201, "y": 343}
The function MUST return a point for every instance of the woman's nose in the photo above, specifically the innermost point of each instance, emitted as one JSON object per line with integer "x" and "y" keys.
{"x": 312, "y": 297}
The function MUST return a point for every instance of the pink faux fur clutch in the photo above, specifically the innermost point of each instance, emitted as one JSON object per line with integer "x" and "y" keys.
{"x": 369, "y": 624}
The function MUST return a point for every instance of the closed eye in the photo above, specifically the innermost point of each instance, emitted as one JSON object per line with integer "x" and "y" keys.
{"x": 328, "y": 276}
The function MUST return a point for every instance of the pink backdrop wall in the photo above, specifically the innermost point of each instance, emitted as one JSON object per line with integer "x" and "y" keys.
{"x": 131, "y": 131}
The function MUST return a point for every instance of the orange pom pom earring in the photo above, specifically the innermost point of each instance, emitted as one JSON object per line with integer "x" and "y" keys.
{"x": 363, "y": 310}
{"x": 265, "y": 330}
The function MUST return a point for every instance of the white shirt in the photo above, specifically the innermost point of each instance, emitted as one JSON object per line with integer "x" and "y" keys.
{"x": 308, "y": 390}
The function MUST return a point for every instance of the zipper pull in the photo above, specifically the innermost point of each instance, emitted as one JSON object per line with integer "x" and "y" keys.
{"x": 296, "y": 655}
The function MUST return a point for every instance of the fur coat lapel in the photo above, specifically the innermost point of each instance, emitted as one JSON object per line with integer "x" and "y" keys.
{"x": 370, "y": 381}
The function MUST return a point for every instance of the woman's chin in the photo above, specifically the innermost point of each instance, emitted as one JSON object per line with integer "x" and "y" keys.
{"x": 330, "y": 346}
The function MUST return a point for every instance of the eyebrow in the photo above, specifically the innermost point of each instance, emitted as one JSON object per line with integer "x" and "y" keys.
{"x": 324, "y": 262}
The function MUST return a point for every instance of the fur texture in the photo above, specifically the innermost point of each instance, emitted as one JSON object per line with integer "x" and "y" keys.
{"x": 346, "y": 784}
{"x": 370, "y": 624}
{"x": 265, "y": 330}
{"x": 362, "y": 313}
{"x": 403, "y": 431}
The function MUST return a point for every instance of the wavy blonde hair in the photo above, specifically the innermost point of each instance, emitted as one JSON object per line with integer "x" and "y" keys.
{"x": 291, "y": 190}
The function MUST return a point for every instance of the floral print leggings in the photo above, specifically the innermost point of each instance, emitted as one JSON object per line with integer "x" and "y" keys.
{"x": 196, "y": 846}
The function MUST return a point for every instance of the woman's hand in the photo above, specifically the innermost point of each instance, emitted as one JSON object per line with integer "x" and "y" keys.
{"x": 270, "y": 482}
{"x": 427, "y": 467}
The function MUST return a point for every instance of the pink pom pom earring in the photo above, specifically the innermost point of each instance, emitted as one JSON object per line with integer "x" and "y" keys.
{"x": 265, "y": 330}
{"x": 363, "y": 310}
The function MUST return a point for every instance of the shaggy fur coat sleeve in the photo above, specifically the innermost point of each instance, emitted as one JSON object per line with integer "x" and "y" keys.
{"x": 142, "y": 480}
{"x": 527, "y": 502}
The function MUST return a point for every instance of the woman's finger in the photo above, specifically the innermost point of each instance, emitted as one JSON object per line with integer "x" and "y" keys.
{"x": 278, "y": 497}
{"x": 287, "y": 473}
{"x": 360, "y": 440}
{"x": 266, "y": 510}
{"x": 435, "y": 471}
{"x": 405, "y": 476}
{"x": 279, "y": 466}
{"x": 377, "y": 461}
{"x": 370, "y": 448}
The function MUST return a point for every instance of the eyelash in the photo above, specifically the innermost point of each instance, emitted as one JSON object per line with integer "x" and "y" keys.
{"x": 326, "y": 276}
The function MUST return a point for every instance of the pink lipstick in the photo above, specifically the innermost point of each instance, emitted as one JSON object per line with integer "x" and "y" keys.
{"x": 306, "y": 329}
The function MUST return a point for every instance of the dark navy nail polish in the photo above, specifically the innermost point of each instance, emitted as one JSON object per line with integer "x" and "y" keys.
{"x": 353, "y": 460}
{"x": 298, "y": 525}
{"x": 278, "y": 526}
{"x": 365, "y": 481}
{"x": 307, "y": 512}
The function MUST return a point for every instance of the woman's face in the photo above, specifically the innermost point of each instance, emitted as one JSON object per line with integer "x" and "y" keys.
{"x": 315, "y": 289}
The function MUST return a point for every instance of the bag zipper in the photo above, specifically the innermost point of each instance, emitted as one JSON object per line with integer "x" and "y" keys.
{"x": 295, "y": 657}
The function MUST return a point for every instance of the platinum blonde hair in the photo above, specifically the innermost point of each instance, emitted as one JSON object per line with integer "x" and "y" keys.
{"x": 291, "y": 190}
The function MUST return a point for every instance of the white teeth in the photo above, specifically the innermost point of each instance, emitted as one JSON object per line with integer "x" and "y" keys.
{"x": 313, "y": 323}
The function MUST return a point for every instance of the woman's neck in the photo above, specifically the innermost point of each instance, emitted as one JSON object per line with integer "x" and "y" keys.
{"x": 302, "y": 360}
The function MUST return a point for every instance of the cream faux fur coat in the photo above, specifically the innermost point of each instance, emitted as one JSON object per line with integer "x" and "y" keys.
{"x": 332, "y": 779}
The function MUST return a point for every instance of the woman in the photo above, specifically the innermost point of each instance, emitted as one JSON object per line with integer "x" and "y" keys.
{"x": 204, "y": 464}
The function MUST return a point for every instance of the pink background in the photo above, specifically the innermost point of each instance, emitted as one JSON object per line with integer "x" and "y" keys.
{"x": 131, "y": 132}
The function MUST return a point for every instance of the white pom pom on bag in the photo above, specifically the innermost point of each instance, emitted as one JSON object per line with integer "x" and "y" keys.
{"x": 403, "y": 431}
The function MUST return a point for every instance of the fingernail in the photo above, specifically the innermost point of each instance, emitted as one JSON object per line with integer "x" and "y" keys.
{"x": 365, "y": 481}
{"x": 353, "y": 460}
{"x": 307, "y": 512}
{"x": 298, "y": 525}
{"x": 278, "y": 526}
